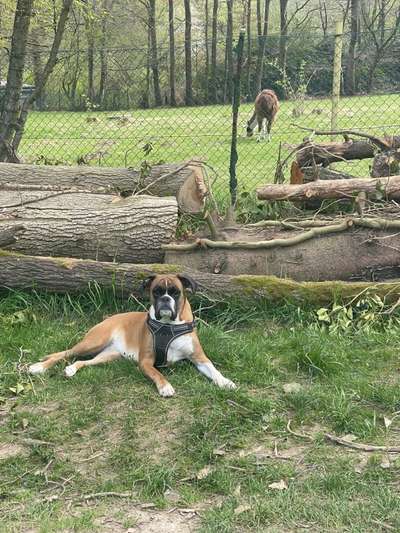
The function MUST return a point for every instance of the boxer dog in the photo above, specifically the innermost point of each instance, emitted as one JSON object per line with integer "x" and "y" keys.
{"x": 162, "y": 336}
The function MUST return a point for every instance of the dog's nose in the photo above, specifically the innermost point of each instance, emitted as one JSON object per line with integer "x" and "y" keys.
{"x": 165, "y": 298}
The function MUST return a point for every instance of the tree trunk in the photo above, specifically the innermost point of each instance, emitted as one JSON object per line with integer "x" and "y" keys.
{"x": 48, "y": 69}
{"x": 229, "y": 53}
{"x": 283, "y": 36}
{"x": 261, "y": 50}
{"x": 259, "y": 25}
{"x": 346, "y": 252}
{"x": 249, "y": 57}
{"x": 213, "y": 80}
{"x": 184, "y": 182}
{"x": 11, "y": 107}
{"x": 207, "y": 49}
{"x": 103, "y": 59}
{"x": 91, "y": 226}
{"x": 36, "y": 36}
{"x": 350, "y": 78}
{"x": 322, "y": 173}
{"x": 154, "y": 52}
{"x": 75, "y": 275}
{"x": 332, "y": 152}
{"x": 375, "y": 188}
{"x": 171, "y": 32}
{"x": 188, "y": 55}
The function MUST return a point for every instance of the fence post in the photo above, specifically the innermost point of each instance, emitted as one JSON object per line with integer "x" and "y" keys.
{"x": 235, "y": 112}
{"x": 337, "y": 73}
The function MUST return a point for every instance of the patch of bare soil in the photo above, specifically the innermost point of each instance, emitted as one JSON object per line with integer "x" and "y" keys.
{"x": 10, "y": 450}
{"x": 151, "y": 521}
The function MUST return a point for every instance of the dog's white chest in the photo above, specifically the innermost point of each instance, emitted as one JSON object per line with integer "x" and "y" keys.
{"x": 180, "y": 348}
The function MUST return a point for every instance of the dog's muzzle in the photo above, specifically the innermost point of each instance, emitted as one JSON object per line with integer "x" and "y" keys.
{"x": 165, "y": 308}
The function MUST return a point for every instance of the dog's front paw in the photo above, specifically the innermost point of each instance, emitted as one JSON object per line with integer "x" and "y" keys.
{"x": 225, "y": 383}
{"x": 36, "y": 369}
{"x": 166, "y": 391}
{"x": 70, "y": 371}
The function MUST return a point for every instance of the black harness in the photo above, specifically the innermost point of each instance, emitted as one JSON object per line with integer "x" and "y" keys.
{"x": 163, "y": 335}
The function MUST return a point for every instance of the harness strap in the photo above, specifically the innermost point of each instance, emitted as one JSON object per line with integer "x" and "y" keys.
{"x": 163, "y": 335}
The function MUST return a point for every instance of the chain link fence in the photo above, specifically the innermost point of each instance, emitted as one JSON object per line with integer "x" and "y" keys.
{"x": 107, "y": 116}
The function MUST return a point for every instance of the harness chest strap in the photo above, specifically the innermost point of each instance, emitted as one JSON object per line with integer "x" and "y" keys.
{"x": 163, "y": 335}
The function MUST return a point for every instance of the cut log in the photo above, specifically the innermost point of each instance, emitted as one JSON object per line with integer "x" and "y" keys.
{"x": 322, "y": 173}
{"x": 184, "y": 181}
{"x": 95, "y": 226}
{"x": 310, "y": 153}
{"x": 380, "y": 188}
{"x": 75, "y": 275}
{"x": 342, "y": 251}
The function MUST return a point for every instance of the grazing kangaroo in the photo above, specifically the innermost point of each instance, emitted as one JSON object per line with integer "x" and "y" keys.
{"x": 266, "y": 107}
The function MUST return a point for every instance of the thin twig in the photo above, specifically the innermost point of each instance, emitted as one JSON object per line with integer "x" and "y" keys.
{"x": 301, "y": 435}
{"x": 163, "y": 177}
{"x": 360, "y": 446}
{"x": 375, "y": 140}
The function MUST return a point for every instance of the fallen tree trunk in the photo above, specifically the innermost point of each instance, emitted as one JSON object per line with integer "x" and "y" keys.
{"x": 374, "y": 188}
{"x": 322, "y": 173}
{"x": 184, "y": 181}
{"x": 76, "y": 275}
{"x": 363, "y": 249}
{"x": 310, "y": 153}
{"x": 93, "y": 226}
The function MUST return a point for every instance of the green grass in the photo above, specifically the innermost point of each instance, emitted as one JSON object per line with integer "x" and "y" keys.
{"x": 108, "y": 430}
{"x": 180, "y": 134}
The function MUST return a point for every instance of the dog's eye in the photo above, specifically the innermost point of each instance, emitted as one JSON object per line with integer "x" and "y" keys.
{"x": 158, "y": 291}
{"x": 173, "y": 291}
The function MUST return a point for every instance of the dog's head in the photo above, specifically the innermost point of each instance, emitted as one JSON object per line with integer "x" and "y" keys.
{"x": 168, "y": 294}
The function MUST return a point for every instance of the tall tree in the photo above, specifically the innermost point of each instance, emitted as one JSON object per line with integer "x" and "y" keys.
{"x": 350, "y": 77}
{"x": 229, "y": 53}
{"x": 171, "y": 32}
{"x": 283, "y": 33}
{"x": 262, "y": 39}
{"x": 188, "y": 54}
{"x": 214, "y": 29}
{"x": 248, "y": 65}
{"x": 207, "y": 49}
{"x": 258, "y": 13}
{"x": 382, "y": 21}
{"x": 10, "y": 112}
{"x": 90, "y": 26}
{"x": 150, "y": 6}
{"x": 48, "y": 69}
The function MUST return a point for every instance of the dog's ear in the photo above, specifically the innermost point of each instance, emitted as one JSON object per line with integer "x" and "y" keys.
{"x": 146, "y": 283}
{"x": 188, "y": 282}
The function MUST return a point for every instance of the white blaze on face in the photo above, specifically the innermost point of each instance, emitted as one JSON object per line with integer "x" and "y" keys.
{"x": 164, "y": 312}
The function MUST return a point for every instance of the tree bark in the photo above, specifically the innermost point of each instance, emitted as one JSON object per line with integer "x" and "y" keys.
{"x": 188, "y": 55}
{"x": 11, "y": 107}
{"x": 375, "y": 188}
{"x": 207, "y": 49}
{"x": 48, "y": 69}
{"x": 248, "y": 66}
{"x": 350, "y": 78}
{"x": 184, "y": 182}
{"x": 90, "y": 226}
{"x": 171, "y": 32}
{"x": 229, "y": 53}
{"x": 258, "y": 14}
{"x": 213, "y": 79}
{"x": 340, "y": 251}
{"x": 310, "y": 153}
{"x": 154, "y": 52}
{"x": 262, "y": 39}
{"x": 75, "y": 275}
{"x": 283, "y": 35}
{"x": 322, "y": 173}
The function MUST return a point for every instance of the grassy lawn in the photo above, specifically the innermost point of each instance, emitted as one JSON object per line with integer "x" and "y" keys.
{"x": 179, "y": 134}
{"x": 206, "y": 460}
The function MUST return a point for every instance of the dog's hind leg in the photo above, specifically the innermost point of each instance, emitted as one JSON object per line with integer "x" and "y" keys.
{"x": 103, "y": 357}
{"x": 94, "y": 342}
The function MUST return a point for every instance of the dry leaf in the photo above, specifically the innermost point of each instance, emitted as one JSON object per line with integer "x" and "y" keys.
{"x": 219, "y": 451}
{"x": 361, "y": 465}
{"x": 292, "y": 387}
{"x": 385, "y": 463}
{"x": 242, "y": 509}
{"x": 279, "y": 485}
{"x": 237, "y": 491}
{"x": 25, "y": 423}
{"x": 387, "y": 421}
{"x": 172, "y": 496}
{"x": 204, "y": 472}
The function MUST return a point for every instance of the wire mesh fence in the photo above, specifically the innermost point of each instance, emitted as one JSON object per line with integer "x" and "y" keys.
{"x": 107, "y": 116}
